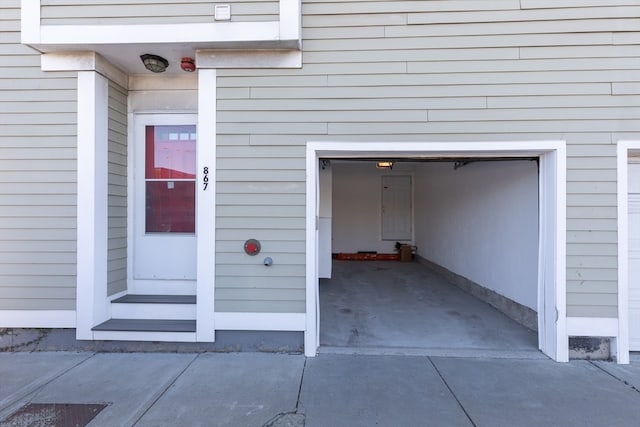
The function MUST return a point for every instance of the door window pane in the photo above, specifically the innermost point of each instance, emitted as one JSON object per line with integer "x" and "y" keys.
{"x": 170, "y": 166}
{"x": 170, "y": 152}
{"x": 170, "y": 207}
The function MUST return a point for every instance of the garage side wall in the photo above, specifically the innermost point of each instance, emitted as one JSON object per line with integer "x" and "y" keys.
{"x": 37, "y": 176}
{"x": 481, "y": 221}
{"x": 428, "y": 71}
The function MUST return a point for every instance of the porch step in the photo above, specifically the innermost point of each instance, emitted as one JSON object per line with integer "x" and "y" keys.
{"x": 159, "y": 307}
{"x": 156, "y": 299}
{"x": 147, "y": 325}
{"x": 166, "y": 330}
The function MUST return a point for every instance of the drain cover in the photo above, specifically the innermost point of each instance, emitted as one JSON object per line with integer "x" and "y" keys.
{"x": 53, "y": 415}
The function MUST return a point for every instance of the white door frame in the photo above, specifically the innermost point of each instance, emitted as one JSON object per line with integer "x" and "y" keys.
{"x": 206, "y": 198}
{"x": 552, "y": 330}
{"x": 624, "y": 149}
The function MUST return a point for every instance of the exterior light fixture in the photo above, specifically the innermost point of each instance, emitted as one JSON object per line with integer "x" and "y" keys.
{"x": 154, "y": 63}
{"x": 386, "y": 164}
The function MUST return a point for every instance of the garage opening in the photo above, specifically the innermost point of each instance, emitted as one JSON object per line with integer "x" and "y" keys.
{"x": 430, "y": 253}
{"x": 488, "y": 217}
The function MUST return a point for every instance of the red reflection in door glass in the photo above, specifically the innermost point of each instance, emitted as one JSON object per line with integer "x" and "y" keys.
{"x": 170, "y": 206}
{"x": 170, "y": 166}
{"x": 170, "y": 152}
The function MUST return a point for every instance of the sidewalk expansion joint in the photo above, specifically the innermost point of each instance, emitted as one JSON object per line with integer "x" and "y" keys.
{"x": 623, "y": 381}
{"x": 292, "y": 418}
{"x": 161, "y": 392}
{"x": 451, "y": 391}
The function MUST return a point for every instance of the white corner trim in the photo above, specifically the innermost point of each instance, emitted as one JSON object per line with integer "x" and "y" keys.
{"x": 207, "y": 58}
{"x": 592, "y": 327}
{"x": 37, "y": 318}
{"x": 290, "y": 20}
{"x": 228, "y": 321}
{"x": 623, "y": 248}
{"x": 83, "y": 61}
{"x": 206, "y": 206}
{"x": 160, "y": 33}
{"x": 30, "y": 21}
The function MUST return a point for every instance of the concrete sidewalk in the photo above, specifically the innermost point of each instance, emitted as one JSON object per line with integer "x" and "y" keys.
{"x": 257, "y": 389}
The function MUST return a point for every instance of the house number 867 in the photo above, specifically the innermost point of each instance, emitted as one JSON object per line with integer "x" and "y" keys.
{"x": 205, "y": 179}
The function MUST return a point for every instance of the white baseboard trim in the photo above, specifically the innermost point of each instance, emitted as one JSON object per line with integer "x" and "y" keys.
{"x": 260, "y": 321}
{"x": 37, "y": 318}
{"x": 592, "y": 327}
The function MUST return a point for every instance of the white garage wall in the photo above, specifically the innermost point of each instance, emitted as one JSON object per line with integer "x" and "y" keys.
{"x": 356, "y": 206}
{"x": 481, "y": 222}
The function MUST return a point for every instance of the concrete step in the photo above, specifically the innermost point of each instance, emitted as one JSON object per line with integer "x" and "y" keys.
{"x": 160, "y": 307}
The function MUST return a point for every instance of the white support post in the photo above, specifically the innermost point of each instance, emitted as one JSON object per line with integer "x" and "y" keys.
{"x": 312, "y": 331}
{"x": 560, "y": 280}
{"x": 91, "y": 295}
{"x": 623, "y": 249}
{"x": 206, "y": 206}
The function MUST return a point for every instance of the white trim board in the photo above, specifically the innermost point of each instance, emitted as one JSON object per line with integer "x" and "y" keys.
{"x": 30, "y": 21}
{"x": 228, "y": 321}
{"x": 286, "y": 32}
{"x": 592, "y": 327}
{"x": 624, "y": 149}
{"x": 37, "y": 318}
{"x": 552, "y": 334}
{"x": 225, "y": 321}
{"x": 207, "y": 58}
{"x": 83, "y": 61}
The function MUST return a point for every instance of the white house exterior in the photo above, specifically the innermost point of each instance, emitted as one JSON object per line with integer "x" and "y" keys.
{"x": 288, "y": 96}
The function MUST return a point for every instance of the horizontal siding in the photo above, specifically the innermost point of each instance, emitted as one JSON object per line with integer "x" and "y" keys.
{"x": 116, "y": 12}
{"x": 430, "y": 71}
{"x": 37, "y": 176}
{"x": 264, "y": 200}
{"x": 117, "y": 197}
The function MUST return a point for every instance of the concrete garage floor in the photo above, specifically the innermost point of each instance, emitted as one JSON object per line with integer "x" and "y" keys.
{"x": 383, "y": 305}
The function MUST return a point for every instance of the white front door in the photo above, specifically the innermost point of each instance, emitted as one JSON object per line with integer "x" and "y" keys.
{"x": 634, "y": 256}
{"x": 396, "y": 208}
{"x": 164, "y": 197}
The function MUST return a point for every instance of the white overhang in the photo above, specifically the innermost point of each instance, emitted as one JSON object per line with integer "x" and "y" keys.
{"x": 216, "y": 44}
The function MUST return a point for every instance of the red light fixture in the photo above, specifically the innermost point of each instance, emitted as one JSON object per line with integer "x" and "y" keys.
{"x": 188, "y": 64}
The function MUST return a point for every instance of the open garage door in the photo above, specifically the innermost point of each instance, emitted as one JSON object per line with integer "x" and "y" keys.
{"x": 546, "y": 294}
